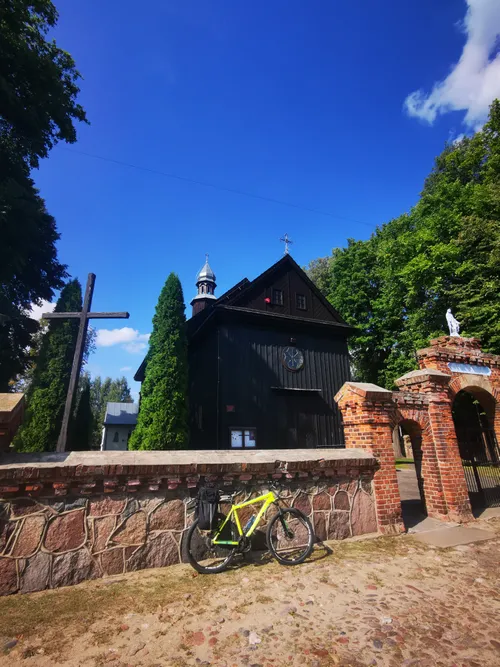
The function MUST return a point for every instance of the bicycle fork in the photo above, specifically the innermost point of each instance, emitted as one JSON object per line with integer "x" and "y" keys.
{"x": 288, "y": 532}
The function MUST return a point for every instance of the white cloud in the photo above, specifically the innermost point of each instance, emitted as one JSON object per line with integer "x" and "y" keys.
{"x": 474, "y": 82}
{"x": 125, "y": 368}
{"x": 135, "y": 347}
{"x": 458, "y": 138}
{"x": 130, "y": 339}
{"x": 46, "y": 307}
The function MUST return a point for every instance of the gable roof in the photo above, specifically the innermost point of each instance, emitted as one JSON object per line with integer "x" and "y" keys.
{"x": 286, "y": 261}
{"x": 236, "y": 297}
{"x": 121, "y": 414}
{"x": 234, "y": 291}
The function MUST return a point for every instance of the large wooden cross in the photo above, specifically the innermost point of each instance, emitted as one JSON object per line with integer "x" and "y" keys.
{"x": 84, "y": 316}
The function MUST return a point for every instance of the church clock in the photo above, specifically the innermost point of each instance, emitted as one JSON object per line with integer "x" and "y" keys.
{"x": 292, "y": 358}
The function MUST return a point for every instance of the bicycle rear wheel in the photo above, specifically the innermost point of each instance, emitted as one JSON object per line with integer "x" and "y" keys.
{"x": 290, "y": 537}
{"x": 203, "y": 555}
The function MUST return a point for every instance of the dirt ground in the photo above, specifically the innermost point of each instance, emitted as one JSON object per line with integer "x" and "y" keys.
{"x": 386, "y": 601}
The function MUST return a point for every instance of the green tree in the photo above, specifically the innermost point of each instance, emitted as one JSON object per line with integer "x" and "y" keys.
{"x": 47, "y": 393}
{"x": 396, "y": 286}
{"x": 38, "y": 108}
{"x": 29, "y": 269}
{"x": 38, "y": 88}
{"x": 82, "y": 424}
{"x": 102, "y": 392}
{"x": 163, "y": 417}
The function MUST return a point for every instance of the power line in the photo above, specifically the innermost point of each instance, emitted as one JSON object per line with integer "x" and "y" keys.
{"x": 205, "y": 184}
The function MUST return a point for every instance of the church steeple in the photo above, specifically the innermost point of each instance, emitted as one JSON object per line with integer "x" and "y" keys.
{"x": 205, "y": 282}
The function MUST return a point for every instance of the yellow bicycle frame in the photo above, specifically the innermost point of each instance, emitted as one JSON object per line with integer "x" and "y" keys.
{"x": 267, "y": 499}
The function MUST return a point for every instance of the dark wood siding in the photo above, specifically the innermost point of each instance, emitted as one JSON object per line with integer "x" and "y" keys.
{"x": 291, "y": 283}
{"x": 251, "y": 365}
{"x": 203, "y": 379}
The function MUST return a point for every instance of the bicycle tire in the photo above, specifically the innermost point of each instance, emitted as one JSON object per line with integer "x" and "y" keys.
{"x": 195, "y": 546}
{"x": 297, "y": 516}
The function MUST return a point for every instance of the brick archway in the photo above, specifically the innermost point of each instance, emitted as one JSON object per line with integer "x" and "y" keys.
{"x": 420, "y": 454}
{"x": 425, "y": 398}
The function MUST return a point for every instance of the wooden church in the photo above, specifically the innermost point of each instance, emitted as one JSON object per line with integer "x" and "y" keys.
{"x": 265, "y": 361}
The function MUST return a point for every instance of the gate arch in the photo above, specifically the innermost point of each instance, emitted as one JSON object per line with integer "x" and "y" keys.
{"x": 474, "y": 410}
{"x": 413, "y": 507}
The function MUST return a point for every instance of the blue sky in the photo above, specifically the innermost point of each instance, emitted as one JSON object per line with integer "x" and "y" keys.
{"x": 311, "y": 103}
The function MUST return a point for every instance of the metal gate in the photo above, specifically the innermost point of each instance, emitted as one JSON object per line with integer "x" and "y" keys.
{"x": 481, "y": 460}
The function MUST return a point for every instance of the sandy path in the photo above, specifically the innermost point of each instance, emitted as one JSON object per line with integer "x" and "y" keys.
{"x": 386, "y": 601}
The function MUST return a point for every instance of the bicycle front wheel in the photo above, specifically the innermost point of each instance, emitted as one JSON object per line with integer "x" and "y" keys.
{"x": 290, "y": 537}
{"x": 203, "y": 555}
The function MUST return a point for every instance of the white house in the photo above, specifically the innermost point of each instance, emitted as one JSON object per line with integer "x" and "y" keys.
{"x": 119, "y": 422}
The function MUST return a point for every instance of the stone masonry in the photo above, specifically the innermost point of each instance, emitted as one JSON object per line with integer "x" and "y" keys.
{"x": 424, "y": 405}
{"x": 67, "y": 518}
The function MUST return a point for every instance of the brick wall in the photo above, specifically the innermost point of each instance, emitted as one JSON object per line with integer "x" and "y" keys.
{"x": 67, "y": 518}
{"x": 423, "y": 405}
{"x": 368, "y": 418}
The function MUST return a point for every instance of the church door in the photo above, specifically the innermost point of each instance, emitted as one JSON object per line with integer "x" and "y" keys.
{"x": 302, "y": 427}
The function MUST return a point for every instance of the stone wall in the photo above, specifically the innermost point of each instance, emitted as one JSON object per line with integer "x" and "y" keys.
{"x": 66, "y": 518}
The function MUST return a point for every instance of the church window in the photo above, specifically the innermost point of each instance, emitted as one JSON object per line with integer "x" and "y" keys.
{"x": 243, "y": 438}
{"x": 116, "y": 437}
{"x": 301, "y": 302}
{"x": 278, "y": 297}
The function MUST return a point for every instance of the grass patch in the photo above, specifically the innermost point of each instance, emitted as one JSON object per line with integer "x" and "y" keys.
{"x": 404, "y": 460}
{"x": 103, "y": 636}
{"x": 264, "y": 599}
{"x": 378, "y": 547}
{"x": 373, "y": 578}
{"x": 58, "y": 615}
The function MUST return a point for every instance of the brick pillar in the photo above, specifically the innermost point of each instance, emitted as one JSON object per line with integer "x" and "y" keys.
{"x": 435, "y": 503}
{"x": 368, "y": 418}
{"x": 455, "y": 491}
{"x": 496, "y": 417}
{"x": 414, "y": 404}
{"x": 444, "y": 479}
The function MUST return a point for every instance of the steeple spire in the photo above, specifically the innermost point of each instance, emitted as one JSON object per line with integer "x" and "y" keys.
{"x": 205, "y": 282}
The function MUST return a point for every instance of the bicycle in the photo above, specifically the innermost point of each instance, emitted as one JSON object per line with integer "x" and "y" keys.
{"x": 289, "y": 535}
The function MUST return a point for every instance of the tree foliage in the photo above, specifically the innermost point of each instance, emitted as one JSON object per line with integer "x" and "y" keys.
{"x": 82, "y": 425}
{"x": 38, "y": 88}
{"x": 29, "y": 269}
{"x": 163, "y": 417}
{"x": 102, "y": 392}
{"x": 47, "y": 394}
{"x": 38, "y": 108}
{"x": 445, "y": 253}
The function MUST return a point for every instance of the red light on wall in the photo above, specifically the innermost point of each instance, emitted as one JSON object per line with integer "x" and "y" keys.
{"x": 267, "y": 299}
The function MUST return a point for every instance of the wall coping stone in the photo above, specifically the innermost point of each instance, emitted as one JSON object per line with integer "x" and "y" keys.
{"x": 366, "y": 390}
{"x": 456, "y": 341}
{"x": 177, "y": 457}
{"x": 421, "y": 376}
{"x": 117, "y": 471}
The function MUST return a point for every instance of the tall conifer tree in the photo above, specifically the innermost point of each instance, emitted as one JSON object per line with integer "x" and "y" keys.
{"x": 163, "y": 416}
{"x": 47, "y": 393}
{"x": 82, "y": 424}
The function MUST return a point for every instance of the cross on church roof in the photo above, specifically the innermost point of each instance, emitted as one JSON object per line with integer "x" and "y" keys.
{"x": 287, "y": 241}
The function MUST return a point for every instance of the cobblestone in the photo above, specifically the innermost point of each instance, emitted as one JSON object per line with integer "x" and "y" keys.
{"x": 428, "y": 608}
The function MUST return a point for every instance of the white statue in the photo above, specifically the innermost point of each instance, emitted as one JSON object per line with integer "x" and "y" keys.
{"x": 453, "y": 324}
